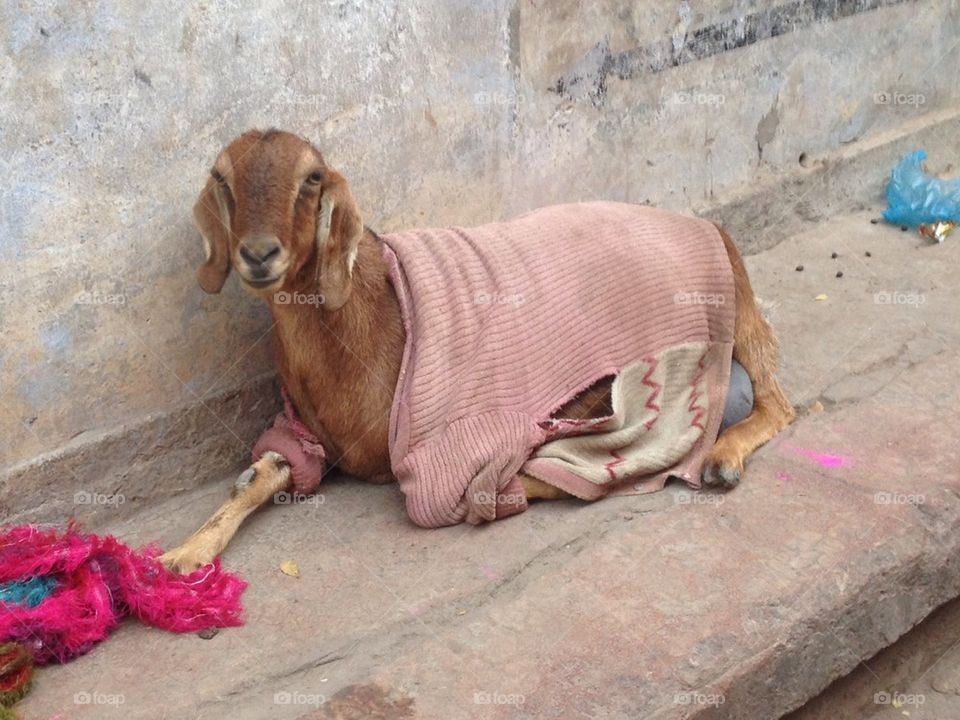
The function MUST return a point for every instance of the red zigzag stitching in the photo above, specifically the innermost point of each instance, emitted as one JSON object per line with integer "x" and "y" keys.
{"x": 657, "y": 387}
{"x": 698, "y": 410}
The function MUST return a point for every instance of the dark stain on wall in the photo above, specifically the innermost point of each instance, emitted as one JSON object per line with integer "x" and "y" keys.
{"x": 588, "y": 79}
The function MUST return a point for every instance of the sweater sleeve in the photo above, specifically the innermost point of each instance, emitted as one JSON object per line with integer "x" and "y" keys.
{"x": 307, "y": 462}
{"x": 468, "y": 472}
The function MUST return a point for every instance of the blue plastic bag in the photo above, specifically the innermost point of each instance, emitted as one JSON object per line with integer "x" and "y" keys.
{"x": 917, "y": 198}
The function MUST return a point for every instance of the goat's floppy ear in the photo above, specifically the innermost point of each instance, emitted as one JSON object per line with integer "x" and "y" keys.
{"x": 339, "y": 229}
{"x": 212, "y": 216}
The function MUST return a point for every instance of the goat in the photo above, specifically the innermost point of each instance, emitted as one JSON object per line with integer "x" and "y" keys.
{"x": 274, "y": 211}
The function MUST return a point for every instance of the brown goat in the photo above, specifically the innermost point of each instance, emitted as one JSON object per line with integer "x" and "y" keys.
{"x": 275, "y": 212}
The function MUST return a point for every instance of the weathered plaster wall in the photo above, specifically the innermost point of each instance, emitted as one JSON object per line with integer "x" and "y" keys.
{"x": 438, "y": 112}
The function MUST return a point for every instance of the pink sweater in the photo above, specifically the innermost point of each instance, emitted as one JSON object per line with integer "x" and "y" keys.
{"x": 506, "y": 322}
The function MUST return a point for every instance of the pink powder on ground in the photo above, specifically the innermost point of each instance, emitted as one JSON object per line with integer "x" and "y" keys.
{"x": 824, "y": 459}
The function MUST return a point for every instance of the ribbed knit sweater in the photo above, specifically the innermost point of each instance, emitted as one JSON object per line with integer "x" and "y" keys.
{"x": 508, "y": 321}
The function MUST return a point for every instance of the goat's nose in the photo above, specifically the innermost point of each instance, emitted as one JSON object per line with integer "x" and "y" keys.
{"x": 259, "y": 250}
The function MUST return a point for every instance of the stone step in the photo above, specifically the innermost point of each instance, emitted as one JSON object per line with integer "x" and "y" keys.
{"x": 843, "y": 534}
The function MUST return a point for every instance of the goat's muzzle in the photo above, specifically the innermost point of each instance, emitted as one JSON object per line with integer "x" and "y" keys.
{"x": 261, "y": 260}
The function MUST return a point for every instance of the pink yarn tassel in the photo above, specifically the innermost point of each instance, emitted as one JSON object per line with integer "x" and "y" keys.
{"x": 100, "y": 581}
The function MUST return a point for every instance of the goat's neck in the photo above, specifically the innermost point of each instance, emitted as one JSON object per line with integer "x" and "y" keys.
{"x": 340, "y": 367}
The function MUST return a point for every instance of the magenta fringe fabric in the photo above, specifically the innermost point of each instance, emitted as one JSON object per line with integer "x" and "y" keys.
{"x": 99, "y": 582}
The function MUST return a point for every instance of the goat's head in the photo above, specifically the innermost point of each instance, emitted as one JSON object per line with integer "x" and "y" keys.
{"x": 277, "y": 213}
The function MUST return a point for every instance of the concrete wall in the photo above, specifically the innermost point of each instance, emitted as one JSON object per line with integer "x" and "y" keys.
{"x": 118, "y": 374}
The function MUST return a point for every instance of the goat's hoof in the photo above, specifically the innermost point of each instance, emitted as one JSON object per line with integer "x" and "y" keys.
{"x": 720, "y": 476}
{"x": 183, "y": 560}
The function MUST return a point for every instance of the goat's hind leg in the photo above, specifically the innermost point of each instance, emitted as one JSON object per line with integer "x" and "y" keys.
{"x": 755, "y": 347}
{"x": 255, "y": 486}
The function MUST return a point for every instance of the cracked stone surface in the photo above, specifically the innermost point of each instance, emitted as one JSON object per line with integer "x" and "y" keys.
{"x": 842, "y": 535}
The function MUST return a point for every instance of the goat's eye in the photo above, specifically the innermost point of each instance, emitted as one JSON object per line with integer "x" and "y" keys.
{"x": 315, "y": 178}
{"x": 217, "y": 175}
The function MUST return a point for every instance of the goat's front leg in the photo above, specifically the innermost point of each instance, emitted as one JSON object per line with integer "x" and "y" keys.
{"x": 255, "y": 486}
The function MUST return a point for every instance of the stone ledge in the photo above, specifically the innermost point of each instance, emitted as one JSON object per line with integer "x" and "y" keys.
{"x": 119, "y": 472}
{"x": 844, "y": 533}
